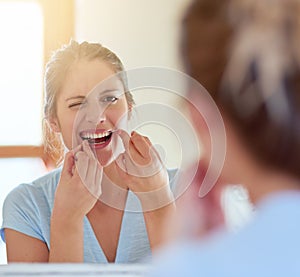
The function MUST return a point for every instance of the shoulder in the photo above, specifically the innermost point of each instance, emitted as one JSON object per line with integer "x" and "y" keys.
{"x": 51, "y": 178}
{"x": 175, "y": 260}
{"x": 40, "y": 188}
{"x": 27, "y": 208}
{"x": 193, "y": 258}
{"x": 256, "y": 250}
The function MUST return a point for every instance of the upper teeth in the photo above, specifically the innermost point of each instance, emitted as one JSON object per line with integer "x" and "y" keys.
{"x": 95, "y": 136}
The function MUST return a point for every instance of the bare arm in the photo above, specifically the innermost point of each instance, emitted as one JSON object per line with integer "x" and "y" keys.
{"x": 159, "y": 212}
{"x": 157, "y": 224}
{"x": 142, "y": 169}
{"x": 66, "y": 240}
{"x": 66, "y": 245}
{"x": 23, "y": 248}
{"x": 77, "y": 192}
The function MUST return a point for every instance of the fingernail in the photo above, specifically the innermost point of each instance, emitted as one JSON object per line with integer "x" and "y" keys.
{"x": 85, "y": 142}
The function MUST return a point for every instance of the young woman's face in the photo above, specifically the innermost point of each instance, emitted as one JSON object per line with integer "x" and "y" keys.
{"x": 89, "y": 110}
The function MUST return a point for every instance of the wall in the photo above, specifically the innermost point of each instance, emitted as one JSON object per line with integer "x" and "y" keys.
{"x": 141, "y": 32}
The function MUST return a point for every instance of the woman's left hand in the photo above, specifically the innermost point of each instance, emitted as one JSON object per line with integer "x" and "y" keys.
{"x": 141, "y": 168}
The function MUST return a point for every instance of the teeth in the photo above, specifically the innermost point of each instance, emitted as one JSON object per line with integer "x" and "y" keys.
{"x": 95, "y": 136}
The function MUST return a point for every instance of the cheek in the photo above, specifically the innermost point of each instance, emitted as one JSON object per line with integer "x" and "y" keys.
{"x": 118, "y": 114}
{"x": 66, "y": 122}
{"x": 66, "y": 125}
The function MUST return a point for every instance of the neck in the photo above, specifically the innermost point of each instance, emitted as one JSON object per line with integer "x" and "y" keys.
{"x": 264, "y": 183}
{"x": 114, "y": 192}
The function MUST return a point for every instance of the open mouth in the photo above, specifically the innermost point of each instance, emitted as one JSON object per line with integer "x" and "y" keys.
{"x": 97, "y": 138}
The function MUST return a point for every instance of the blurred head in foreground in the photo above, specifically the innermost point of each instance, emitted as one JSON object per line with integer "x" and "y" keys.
{"x": 246, "y": 54}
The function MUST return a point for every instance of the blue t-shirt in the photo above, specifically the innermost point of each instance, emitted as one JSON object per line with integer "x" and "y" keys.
{"x": 268, "y": 246}
{"x": 27, "y": 209}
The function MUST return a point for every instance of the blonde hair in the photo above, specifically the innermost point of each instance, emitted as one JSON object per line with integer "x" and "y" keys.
{"x": 56, "y": 71}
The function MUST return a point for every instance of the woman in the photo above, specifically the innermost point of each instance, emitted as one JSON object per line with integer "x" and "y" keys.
{"x": 78, "y": 212}
{"x": 246, "y": 54}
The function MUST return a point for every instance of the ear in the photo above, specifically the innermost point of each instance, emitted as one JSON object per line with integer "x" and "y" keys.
{"x": 54, "y": 124}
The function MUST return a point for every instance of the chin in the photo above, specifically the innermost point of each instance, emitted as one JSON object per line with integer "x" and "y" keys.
{"x": 105, "y": 156}
{"x": 110, "y": 153}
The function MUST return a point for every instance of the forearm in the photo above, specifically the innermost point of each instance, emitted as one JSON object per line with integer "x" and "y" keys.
{"x": 159, "y": 209}
{"x": 66, "y": 240}
{"x": 157, "y": 224}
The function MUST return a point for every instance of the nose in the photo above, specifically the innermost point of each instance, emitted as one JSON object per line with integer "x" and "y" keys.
{"x": 95, "y": 113}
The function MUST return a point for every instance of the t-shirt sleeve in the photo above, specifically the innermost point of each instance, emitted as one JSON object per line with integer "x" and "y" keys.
{"x": 20, "y": 213}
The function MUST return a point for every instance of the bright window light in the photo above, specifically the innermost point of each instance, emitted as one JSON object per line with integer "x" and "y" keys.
{"x": 21, "y": 69}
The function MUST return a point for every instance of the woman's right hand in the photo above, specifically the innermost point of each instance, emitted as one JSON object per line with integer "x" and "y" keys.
{"x": 80, "y": 184}
{"x": 77, "y": 192}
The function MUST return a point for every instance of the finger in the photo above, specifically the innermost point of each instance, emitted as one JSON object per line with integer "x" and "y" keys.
{"x": 141, "y": 144}
{"x": 121, "y": 166}
{"x": 91, "y": 173}
{"x": 155, "y": 154}
{"x": 68, "y": 164}
{"x": 130, "y": 148}
{"x": 125, "y": 139}
{"x": 148, "y": 140}
{"x": 87, "y": 149}
{"x": 152, "y": 152}
{"x": 130, "y": 167}
{"x": 77, "y": 148}
{"x": 134, "y": 156}
{"x": 75, "y": 151}
{"x": 96, "y": 171}
{"x": 98, "y": 180}
{"x": 91, "y": 177}
{"x": 120, "y": 160}
{"x": 82, "y": 164}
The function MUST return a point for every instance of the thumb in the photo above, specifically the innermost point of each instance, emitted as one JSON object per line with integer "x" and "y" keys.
{"x": 125, "y": 139}
{"x": 69, "y": 163}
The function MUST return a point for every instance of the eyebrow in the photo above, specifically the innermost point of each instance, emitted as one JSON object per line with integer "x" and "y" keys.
{"x": 75, "y": 97}
{"x": 109, "y": 90}
{"x": 83, "y": 97}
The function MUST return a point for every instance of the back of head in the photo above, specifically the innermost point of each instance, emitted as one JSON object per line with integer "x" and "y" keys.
{"x": 246, "y": 54}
